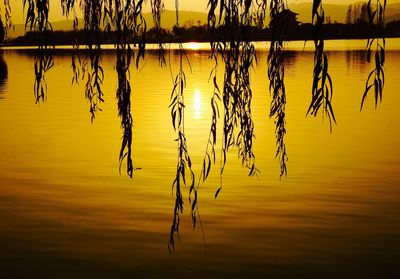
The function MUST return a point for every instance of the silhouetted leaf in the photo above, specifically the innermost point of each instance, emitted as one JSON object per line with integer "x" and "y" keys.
{"x": 217, "y": 192}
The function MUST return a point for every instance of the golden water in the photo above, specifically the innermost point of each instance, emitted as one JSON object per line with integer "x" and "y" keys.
{"x": 65, "y": 212}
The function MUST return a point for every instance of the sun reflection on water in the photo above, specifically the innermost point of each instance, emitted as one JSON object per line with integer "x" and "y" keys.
{"x": 193, "y": 46}
{"x": 197, "y": 103}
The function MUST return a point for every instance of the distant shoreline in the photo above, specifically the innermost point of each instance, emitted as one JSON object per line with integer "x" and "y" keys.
{"x": 67, "y": 46}
{"x": 303, "y": 32}
{"x": 392, "y": 44}
{"x": 201, "y": 34}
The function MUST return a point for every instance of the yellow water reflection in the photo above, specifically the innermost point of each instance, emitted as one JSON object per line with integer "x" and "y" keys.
{"x": 197, "y": 103}
{"x": 65, "y": 212}
{"x": 193, "y": 46}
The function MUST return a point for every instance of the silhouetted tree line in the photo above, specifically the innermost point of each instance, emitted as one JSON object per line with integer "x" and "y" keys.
{"x": 201, "y": 33}
{"x": 357, "y": 13}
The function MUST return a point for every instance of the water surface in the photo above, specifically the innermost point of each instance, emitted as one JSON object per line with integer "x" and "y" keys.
{"x": 65, "y": 212}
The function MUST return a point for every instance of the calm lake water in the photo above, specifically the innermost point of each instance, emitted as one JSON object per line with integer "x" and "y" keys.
{"x": 65, "y": 212}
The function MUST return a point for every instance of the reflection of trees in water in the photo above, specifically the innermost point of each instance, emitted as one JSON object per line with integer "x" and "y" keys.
{"x": 290, "y": 59}
{"x": 356, "y": 59}
{"x": 3, "y": 74}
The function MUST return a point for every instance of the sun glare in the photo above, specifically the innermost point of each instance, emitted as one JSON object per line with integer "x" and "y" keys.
{"x": 197, "y": 103}
{"x": 193, "y": 46}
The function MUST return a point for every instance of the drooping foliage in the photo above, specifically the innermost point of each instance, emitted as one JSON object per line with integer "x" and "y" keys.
{"x": 322, "y": 86}
{"x": 128, "y": 21}
{"x": 125, "y": 19}
{"x": 37, "y": 19}
{"x": 2, "y": 31}
{"x": 157, "y": 8}
{"x": 184, "y": 162}
{"x": 238, "y": 55}
{"x": 6, "y": 23}
{"x": 276, "y": 75}
{"x": 376, "y": 79}
{"x": 92, "y": 72}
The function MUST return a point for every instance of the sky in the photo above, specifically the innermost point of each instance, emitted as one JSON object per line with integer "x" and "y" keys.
{"x": 201, "y": 5}
{"x": 188, "y": 5}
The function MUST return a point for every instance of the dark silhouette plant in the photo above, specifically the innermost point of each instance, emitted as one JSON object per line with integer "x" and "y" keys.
{"x": 184, "y": 162}
{"x": 276, "y": 75}
{"x": 37, "y": 19}
{"x": 322, "y": 86}
{"x": 3, "y": 75}
{"x": 6, "y": 23}
{"x": 376, "y": 78}
{"x": 2, "y": 31}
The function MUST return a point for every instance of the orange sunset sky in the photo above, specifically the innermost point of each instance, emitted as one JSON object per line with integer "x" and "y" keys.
{"x": 188, "y": 5}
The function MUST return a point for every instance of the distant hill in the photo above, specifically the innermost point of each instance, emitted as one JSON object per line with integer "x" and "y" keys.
{"x": 19, "y": 29}
{"x": 393, "y": 17}
{"x": 168, "y": 20}
{"x": 189, "y": 18}
{"x": 338, "y": 12}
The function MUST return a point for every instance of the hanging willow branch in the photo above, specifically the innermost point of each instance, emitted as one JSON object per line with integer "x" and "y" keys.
{"x": 246, "y": 135}
{"x": 92, "y": 70}
{"x": 37, "y": 19}
{"x": 261, "y": 13}
{"x": 230, "y": 56}
{"x": 184, "y": 162}
{"x": 210, "y": 154}
{"x": 215, "y": 46}
{"x": 128, "y": 21}
{"x": 376, "y": 78}
{"x": 124, "y": 89}
{"x": 157, "y": 8}
{"x": 238, "y": 54}
{"x": 68, "y": 6}
{"x": 276, "y": 74}
{"x": 7, "y": 24}
{"x": 322, "y": 88}
{"x": 236, "y": 17}
{"x": 76, "y": 61}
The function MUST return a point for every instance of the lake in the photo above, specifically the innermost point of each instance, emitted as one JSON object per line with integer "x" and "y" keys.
{"x": 66, "y": 212}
